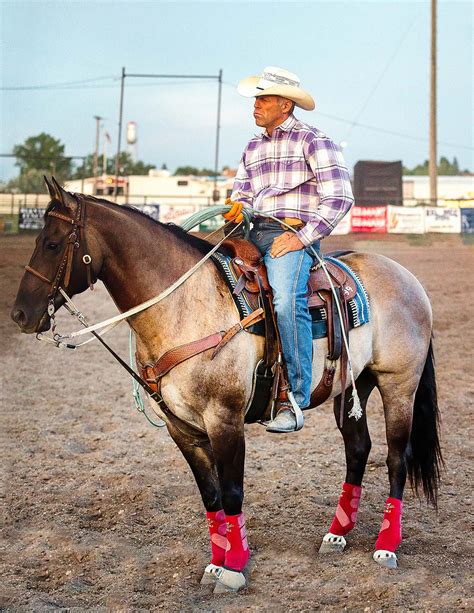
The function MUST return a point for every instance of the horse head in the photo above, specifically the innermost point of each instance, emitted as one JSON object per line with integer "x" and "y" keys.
{"x": 60, "y": 259}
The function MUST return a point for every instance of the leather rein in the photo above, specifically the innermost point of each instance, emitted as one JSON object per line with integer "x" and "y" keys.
{"x": 151, "y": 374}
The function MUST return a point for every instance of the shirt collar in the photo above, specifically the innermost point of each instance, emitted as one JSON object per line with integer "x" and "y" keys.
{"x": 286, "y": 126}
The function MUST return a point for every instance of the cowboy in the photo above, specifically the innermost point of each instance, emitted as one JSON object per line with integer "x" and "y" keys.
{"x": 295, "y": 173}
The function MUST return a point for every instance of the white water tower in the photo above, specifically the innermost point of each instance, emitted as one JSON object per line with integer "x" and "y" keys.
{"x": 132, "y": 139}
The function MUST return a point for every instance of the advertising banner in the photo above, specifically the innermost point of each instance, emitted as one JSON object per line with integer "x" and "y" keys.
{"x": 344, "y": 226}
{"x": 31, "y": 219}
{"x": 369, "y": 219}
{"x": 176, "y": 213}
{"x": 442, "y": 220}
{"x": 405, "y": 220}
{"x": 467, "y": 221}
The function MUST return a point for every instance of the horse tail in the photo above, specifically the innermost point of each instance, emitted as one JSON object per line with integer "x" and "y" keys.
{"x": 424, "y": 457}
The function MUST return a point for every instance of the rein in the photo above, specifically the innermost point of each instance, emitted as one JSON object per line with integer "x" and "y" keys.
{"x": 65, "y": 269}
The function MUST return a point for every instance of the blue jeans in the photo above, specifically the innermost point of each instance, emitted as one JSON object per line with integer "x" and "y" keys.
{"x": 288, "y": 276}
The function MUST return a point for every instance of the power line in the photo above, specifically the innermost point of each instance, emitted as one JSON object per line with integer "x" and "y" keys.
{"x": 353, "y": 123}
{"x": 84, "y": 84}
{"x": 64, "y": 84}
{"x": 392, "y": 132}
{"x": 381, "y": 76}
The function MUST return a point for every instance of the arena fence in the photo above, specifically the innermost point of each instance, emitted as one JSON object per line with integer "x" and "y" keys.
{"x": 24, "y": 212}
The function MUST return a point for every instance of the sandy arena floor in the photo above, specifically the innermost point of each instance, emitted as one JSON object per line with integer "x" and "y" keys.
{"x": 101, "y": 510}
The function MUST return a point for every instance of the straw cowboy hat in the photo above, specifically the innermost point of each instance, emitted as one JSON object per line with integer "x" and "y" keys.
{"x": 276, "y": 82}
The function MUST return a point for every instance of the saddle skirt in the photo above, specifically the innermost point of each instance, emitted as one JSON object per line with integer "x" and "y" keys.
{"x": 241, "y": 263}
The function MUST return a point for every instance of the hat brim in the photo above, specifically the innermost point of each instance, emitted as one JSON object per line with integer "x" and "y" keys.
{"x": 248, "y": 88}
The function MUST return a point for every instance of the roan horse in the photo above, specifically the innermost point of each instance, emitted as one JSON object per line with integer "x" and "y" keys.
{"x": 137, "y": 258}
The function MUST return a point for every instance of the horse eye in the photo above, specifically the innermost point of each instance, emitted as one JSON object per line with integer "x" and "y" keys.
{"x": 51, "y": 246}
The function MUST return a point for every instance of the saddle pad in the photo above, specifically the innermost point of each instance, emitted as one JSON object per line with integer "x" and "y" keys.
{"x": 358, "y": 306}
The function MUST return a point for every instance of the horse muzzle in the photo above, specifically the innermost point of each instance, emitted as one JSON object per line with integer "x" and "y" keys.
{"x": 26, "y": 326}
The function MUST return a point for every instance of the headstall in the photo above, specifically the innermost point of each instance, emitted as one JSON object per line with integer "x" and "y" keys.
{"x": 63, "y": 273}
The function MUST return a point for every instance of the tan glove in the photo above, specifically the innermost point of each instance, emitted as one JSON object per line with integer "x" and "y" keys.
{"x": 235, "y": 213}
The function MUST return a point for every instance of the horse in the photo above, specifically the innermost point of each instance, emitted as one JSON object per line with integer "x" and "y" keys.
{"x": 204, "y": 397}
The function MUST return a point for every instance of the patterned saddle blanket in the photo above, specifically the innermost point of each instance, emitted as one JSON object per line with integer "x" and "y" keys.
{"x": 246, "y": 297}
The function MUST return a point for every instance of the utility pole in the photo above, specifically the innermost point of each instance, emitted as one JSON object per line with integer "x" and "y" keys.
{"x": 96, "y": 151}
{"x": 117, "y": 157}
{"x": 433, "y": 168}
{"x": 215, "y": 195}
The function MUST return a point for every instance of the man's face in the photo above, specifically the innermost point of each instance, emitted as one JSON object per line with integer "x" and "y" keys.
{"x": 270, "y": 111}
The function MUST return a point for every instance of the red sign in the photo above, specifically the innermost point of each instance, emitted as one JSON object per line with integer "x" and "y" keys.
{"x": 369, "y": 219}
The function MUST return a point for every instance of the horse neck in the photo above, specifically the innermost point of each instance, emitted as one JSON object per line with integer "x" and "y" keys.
{"x": 139, "y": 258}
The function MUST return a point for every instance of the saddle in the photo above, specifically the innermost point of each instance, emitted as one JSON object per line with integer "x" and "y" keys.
{"x": 253, "y": 281}
{"x": 270, "y": 381}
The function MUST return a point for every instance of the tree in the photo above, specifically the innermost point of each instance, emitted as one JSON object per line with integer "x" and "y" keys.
{"x": 445, "y": 167}
{"x": 126, "y": 166}
{"x": 192, "y": 170}
{"x": 29, "y": 182}
{"x": 44, "y": 154}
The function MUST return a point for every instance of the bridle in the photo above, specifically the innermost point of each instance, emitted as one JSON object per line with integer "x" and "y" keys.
{"x": 63, "y": 273}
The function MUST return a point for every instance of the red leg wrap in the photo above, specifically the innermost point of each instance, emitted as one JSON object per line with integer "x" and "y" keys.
{"x": 237, "y": 553}
{"x": 346, "y": 512}
{"x": 217, "y": 530}
{"x": 390, "y": 535}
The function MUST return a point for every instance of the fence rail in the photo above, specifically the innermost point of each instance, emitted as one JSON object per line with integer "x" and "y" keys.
{"x": 20, "y": 212}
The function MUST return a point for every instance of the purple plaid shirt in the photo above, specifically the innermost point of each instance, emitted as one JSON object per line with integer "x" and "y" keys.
{"x": 296, "y": 172}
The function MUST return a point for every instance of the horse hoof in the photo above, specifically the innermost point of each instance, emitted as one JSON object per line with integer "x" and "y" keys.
{"x": 209, "y": 575}
{"x": 229, "y": 581}
{"x": 385, "y": 558}
{"x": 332, "y": 543}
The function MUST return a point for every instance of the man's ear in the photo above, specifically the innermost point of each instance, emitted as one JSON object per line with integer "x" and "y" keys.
{"x": 66, "y": 199}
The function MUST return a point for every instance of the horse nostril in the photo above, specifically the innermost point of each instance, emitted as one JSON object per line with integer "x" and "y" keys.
{"x": 18, "y": 316}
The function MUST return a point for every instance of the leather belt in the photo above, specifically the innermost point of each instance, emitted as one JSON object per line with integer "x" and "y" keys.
{"x": 294, "y": 222}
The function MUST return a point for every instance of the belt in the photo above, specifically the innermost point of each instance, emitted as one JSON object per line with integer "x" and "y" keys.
{"x": 294, "y": 222}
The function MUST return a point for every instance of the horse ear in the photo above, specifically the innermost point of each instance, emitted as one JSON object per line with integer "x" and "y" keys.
{"x": 63, "y": 196}
{"x": 51, "y": 189}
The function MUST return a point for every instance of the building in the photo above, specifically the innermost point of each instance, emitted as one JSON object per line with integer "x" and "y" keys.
{"x": 455, "y": 190}
{"x": 158, "y": 187}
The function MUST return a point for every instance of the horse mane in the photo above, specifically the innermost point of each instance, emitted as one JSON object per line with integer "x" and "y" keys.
{"x": 202, "y": 245}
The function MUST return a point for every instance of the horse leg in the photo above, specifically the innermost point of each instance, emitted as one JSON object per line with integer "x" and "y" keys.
{"x": 398, "y": 398}
{"x": 357, "y": 446}
{"x": 228, "y": 447}
{"x": 196, "y": 449}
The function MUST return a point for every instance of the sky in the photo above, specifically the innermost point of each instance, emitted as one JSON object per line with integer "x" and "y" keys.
{"x": 365, "y": 63}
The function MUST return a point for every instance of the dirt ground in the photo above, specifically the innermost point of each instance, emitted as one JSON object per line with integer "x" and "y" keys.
{"x": 101, "y": 510}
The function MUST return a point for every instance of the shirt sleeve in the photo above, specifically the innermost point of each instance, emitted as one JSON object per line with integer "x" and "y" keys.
{"x": 242, "y": 188}
{"x": 332, "y": 184}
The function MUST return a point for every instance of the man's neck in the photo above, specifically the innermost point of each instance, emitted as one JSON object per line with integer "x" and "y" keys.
{"x": 276, "y": 124}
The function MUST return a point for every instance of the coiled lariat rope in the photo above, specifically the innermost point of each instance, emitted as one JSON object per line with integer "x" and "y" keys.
{"x": 189, "y": 223}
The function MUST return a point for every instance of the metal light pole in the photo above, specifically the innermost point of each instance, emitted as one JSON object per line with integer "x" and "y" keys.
{"x": 168, "y": 76}
{"x": 117, "y": 159}
{"x": 96, "y": 151}
{"x": 433, "y": 168}
{"x": 215, "y": 195}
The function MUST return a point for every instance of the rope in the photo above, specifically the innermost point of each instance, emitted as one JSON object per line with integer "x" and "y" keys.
{"x": 139, "y": 404}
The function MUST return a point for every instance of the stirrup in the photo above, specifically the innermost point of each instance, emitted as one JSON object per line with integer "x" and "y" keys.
{"x": 297, "y": 411}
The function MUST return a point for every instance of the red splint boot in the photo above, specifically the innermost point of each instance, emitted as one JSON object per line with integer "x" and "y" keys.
{"x": 217, "y": 531}
{"x": 237, "y": 552}
{"x": 346, "y": 512}
{"x": 390, "y": 535}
